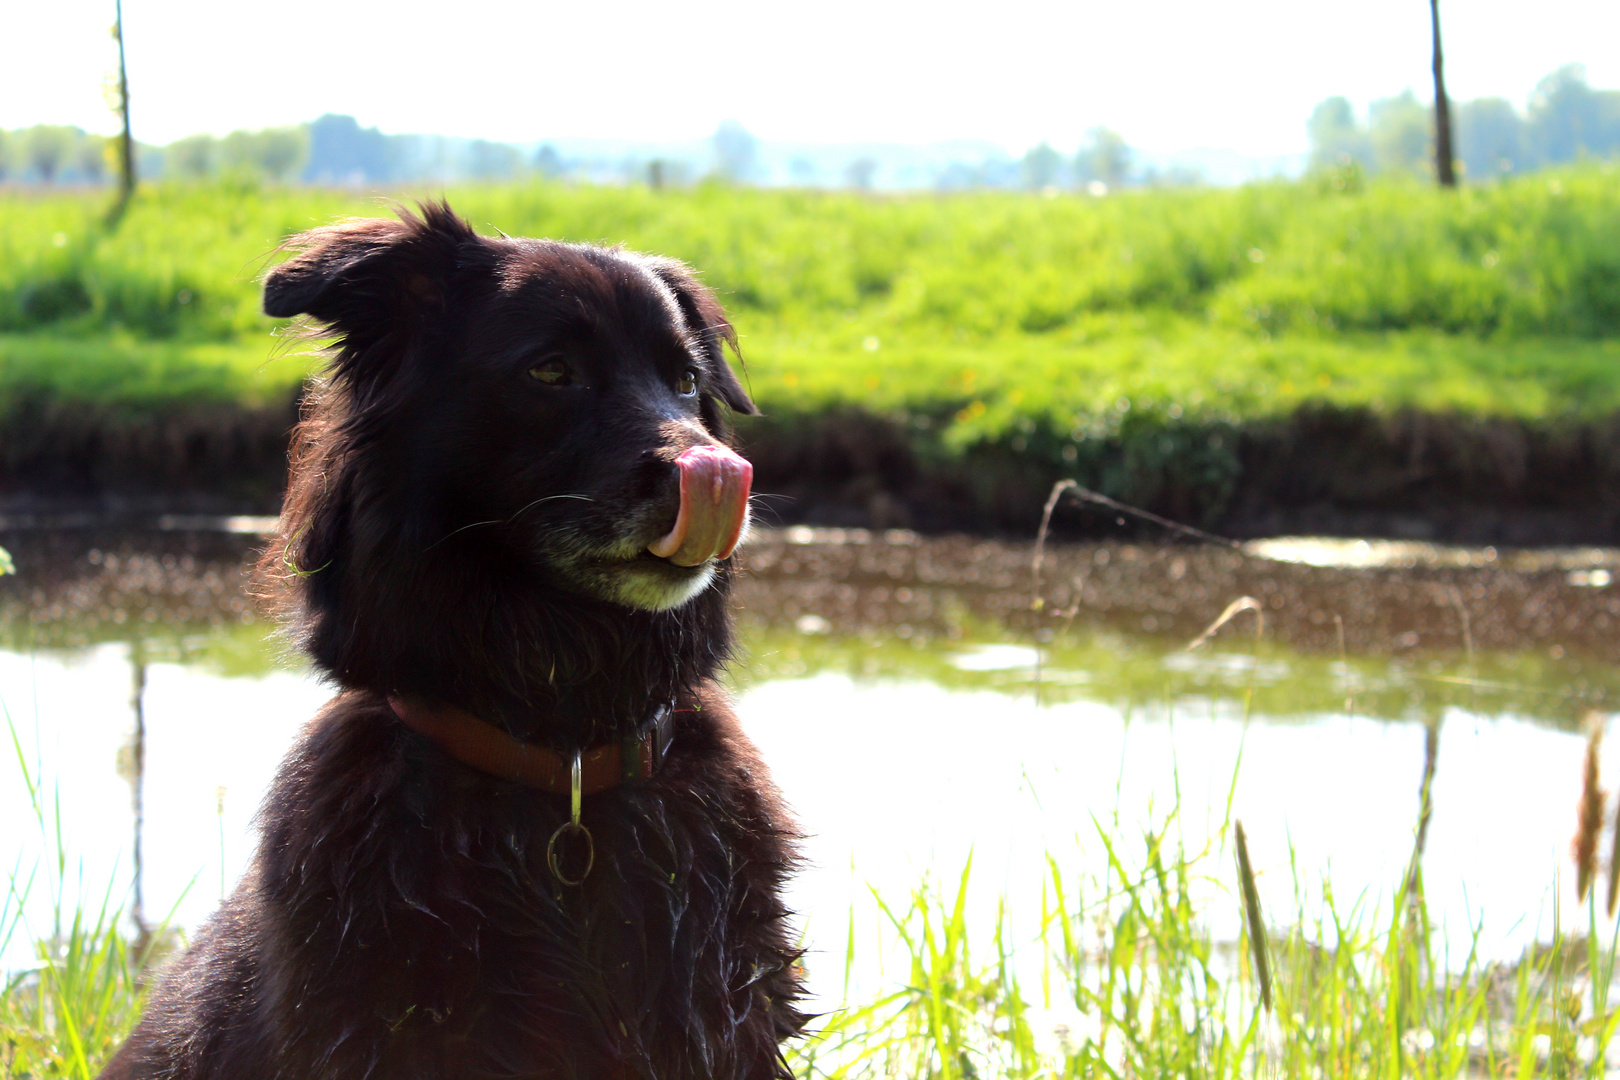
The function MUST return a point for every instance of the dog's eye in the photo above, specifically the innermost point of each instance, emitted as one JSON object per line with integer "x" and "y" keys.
{"x": 553, "y": 371}
{"x": 686, "y": 385}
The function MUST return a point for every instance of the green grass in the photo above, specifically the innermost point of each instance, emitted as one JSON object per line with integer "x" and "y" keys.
{"x": 1127, "y": 967}
{"x": 121, "y": 373}
{"x": 64, "y": 1014}
{"x": 980, "y": 317}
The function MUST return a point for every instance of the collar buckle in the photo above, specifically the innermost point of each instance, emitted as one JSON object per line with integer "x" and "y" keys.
{"x": 642, "y": 752}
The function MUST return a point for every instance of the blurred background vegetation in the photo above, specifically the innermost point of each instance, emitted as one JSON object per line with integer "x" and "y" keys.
{"x": 1565, "y": 120}
{"x": 1226, "y": 301}
{"x": 1130, "y": 319}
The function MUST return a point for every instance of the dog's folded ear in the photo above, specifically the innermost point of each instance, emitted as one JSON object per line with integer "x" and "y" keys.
{"x": 331, "y": 267}
{"x": 706, "y": 318}
{"x": 370, "y": 277}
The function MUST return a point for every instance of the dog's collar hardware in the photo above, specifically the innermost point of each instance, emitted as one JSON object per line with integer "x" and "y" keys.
{"x": 572, "y": 827}
{"x": 487, "y": 748}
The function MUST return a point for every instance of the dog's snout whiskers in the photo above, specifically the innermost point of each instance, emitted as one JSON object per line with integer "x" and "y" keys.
{"x": 506, "y": 520}
{"x": 548, "y": 498}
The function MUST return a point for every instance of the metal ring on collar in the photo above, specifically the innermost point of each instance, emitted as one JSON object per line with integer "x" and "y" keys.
{"x": 576, "y": 794}
{"x": 556, "y": 864}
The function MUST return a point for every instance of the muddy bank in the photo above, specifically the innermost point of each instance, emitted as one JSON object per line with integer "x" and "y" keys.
{"x": 207, "y": 457}
{"x": 1317, "y": 472}
{"x": 1320, "y": 472}
{"x": 1499, "y": 601}
{"x": 78, "y": 586}
{"x": 1421, "y": 476}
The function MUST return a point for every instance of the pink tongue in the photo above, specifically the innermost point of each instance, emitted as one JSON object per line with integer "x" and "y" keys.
{"x": 714, "y": 507}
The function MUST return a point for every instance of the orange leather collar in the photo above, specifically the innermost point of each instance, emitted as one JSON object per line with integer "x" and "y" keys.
{"x": 487, "y": 748}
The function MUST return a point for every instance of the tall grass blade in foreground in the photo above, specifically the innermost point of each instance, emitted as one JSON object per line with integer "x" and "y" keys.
{"x": 66, "y": 1011}
{"x": 1132, "y": 984}
{"x": 1589, "y": 815}
{"x": 1129, "y": 982}
{"x": 1614, "y": 863}
{"x": 1231, "y": 611}
{"x": 1251, "y": 914}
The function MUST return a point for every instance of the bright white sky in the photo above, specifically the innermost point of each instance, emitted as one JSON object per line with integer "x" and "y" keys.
{"x": 1236, "y": 75}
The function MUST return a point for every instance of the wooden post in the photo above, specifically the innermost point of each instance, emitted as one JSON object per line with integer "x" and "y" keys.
{"x": 1444, "y": 159}
{"x": 126, "y": 142}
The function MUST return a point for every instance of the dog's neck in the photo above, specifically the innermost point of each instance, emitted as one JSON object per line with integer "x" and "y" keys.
{"x": 549, "y": 666}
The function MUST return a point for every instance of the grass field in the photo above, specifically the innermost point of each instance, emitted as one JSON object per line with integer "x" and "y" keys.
{"x": 1000, "y": 339}
{"x": 988, "y": 313}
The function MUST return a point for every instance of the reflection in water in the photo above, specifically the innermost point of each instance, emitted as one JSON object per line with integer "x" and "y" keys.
{"x": 865, "y": 649}
{"x": 893, "y": 779}
{"x": 1431, "y": 758}
{"x": 137, "y": 787}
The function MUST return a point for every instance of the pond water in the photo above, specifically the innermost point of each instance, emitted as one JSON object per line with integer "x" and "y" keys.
{"x": 917, "y": 709}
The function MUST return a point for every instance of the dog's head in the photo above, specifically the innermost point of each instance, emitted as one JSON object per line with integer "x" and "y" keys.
{"x": 561, "y": 405}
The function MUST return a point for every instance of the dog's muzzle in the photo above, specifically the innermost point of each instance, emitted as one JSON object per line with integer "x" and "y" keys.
{"x": 714, "y": 507}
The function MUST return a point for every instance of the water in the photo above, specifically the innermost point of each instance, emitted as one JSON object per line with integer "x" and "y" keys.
{"x": 892, "y": 684}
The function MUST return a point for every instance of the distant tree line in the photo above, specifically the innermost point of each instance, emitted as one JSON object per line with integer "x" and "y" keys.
{"x": 331, "y": 150}
{"x": 1565, "y": 120}
{"x": 54, "y": 154}
{"x": 279, "y": 154}
{"x": 336, "y": 150}
{"x": 1104, "y": 162}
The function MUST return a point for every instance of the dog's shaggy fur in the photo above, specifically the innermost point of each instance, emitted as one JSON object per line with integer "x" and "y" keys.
{"x": 461, "y": 529}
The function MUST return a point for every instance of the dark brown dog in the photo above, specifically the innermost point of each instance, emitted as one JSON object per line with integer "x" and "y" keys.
{"x": 505, "y": 539}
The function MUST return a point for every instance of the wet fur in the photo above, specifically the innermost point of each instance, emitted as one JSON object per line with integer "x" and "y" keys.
{"x": 399, "y": 919}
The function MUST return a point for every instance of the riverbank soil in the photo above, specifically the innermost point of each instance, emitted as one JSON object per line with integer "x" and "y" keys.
{"x": 1330, "y": 472}
{"x": 66, "y": 457}
{"x": 78, "y": 586}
